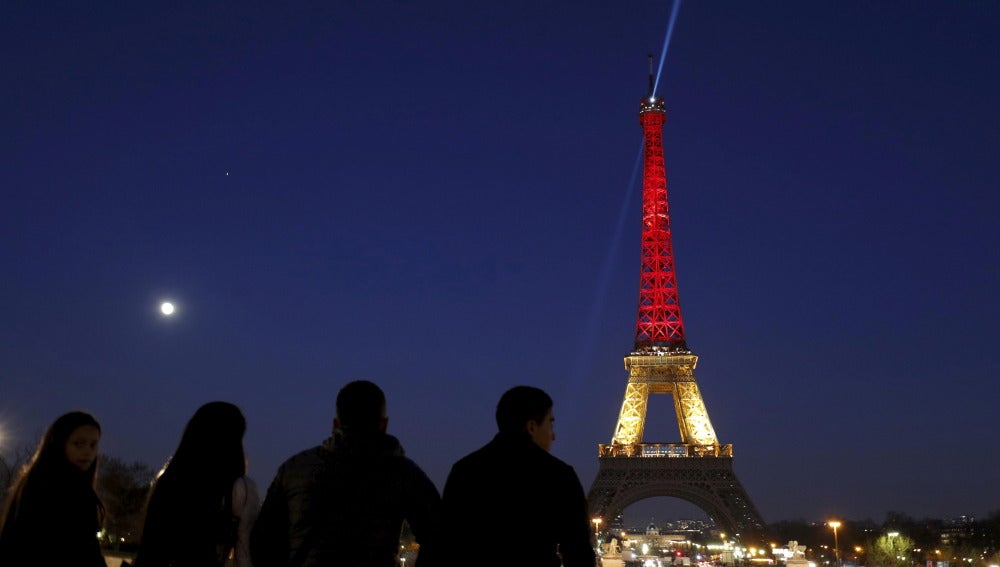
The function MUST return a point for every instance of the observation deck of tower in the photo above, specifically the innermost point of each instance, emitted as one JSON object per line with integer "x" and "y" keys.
{"x": 698, "y": 469}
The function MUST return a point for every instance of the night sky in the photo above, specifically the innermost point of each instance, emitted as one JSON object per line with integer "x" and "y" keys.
{"x": 439, "y": 197}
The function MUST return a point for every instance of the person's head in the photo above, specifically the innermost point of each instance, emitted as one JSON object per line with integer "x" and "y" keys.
{"x": 69, "y": 444}
{"x": 526, "y": 409}
{"x": 360, "y": 408}
{"x": 212, "y": 444}
{"x": 71, "y": 439}
{"x": 68, "y": 450}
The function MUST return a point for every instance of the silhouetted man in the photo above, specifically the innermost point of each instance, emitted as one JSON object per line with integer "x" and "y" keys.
{"x": 343, "y": 502}
{"x": 511, "y": 502}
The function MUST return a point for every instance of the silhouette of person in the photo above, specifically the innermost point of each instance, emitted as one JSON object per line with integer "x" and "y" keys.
{"x": 343, "y": 502}
{"x": 202, "y": 505}
{"x": 514, "y": 483}
{"x": 53, "y": 514}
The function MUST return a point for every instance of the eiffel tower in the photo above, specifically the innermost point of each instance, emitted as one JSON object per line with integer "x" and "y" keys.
{"x": 697, "y": 469}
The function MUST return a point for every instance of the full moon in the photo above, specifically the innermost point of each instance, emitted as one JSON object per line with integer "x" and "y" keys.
{"x": 167, "y": 308}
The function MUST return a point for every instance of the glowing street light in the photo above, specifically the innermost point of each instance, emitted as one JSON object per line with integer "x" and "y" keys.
{"x": 836, "y": 545}
{"x": 597, "y": 533}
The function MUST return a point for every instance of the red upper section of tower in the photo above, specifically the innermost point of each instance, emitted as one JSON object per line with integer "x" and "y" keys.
{"x": 659, "y": 323}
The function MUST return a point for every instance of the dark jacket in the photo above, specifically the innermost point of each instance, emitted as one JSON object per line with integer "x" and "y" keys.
{"x": 54, "y": 520}
{"x": 515, "y": 494}
{"x": 343, "y": 503}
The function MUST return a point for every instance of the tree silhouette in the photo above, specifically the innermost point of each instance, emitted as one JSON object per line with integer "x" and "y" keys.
{"x": 123, "y": 488}
{"x": 890, "y": 550}
{"x": 11, "y": 464}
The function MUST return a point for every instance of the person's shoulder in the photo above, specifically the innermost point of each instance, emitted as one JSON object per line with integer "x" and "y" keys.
{"x": 492, "y": 458}
{"x": 308, "y": 457}
{"x": 249, "y": 481}
{"x": 555, "y": 464}
{"x": 244, "y": 485}
{"x": 409, "y": 468}
{"x": 244, "y": 494}
{"x": 487, "y": 452}
{"x": 392, "y": 452}
{"x": 553, "y": 460}
{"x": 390, "y": 449}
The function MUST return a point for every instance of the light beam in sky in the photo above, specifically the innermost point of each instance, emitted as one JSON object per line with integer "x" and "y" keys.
{"x": 613, "y": 254}
{"x": 666, "y": 43}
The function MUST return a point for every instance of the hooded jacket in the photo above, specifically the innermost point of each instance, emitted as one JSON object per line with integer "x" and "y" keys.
{"x": 343, "y": 503}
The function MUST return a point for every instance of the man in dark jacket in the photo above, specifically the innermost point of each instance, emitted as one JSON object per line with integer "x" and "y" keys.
{"x": 511, "y": 502}
{"x": 343, "y": 503}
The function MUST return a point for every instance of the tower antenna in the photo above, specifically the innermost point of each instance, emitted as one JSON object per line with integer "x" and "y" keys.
{"x": 651, "y": 93}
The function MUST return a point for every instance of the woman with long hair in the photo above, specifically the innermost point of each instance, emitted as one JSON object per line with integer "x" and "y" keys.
{"x": 202, "y": 505}
{"x": 53, "y": 514}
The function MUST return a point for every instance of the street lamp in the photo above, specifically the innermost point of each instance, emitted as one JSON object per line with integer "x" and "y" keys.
{"x": 836, "y": 545}
{"x": 597, "y": 533}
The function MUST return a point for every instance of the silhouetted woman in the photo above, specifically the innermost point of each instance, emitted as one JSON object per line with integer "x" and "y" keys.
{"x": 53, "y": 513}
{"x": 203, "y": 504}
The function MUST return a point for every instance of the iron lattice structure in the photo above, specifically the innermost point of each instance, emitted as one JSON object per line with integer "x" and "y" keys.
{"x": 697, "y": 469}
{"x": 659, "y": 323}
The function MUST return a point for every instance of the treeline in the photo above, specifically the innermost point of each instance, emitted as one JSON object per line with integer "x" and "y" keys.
{"x": 123, "y": 488}
{"x": 899, "y": 540}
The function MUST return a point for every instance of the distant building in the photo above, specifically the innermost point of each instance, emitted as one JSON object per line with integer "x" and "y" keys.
{"x": 956, "y": 531}
{"x": 652, "y": 541}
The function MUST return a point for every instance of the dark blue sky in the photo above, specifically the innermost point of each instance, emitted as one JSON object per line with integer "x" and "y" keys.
{"x": 427, "y": 195}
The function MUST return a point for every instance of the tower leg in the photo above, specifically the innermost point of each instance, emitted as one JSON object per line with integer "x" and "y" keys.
{"x": 632, "y": 418}
{"x": 692, "y": 416}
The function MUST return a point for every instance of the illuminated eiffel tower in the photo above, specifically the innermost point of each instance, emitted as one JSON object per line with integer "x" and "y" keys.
{"x": 697, "y": 469}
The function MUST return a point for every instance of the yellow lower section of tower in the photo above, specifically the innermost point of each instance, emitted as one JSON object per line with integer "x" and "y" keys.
{"x": 668, "y": 374}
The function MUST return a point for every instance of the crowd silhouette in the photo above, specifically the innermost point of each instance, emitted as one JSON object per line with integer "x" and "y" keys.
{"x": 342, "y": 502}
